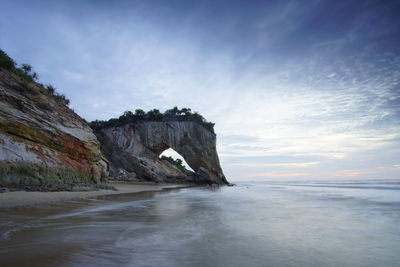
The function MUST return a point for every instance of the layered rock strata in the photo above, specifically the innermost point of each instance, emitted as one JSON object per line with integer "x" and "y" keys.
{"x": 42, "y": 141}
{"x": 133, "y": 151}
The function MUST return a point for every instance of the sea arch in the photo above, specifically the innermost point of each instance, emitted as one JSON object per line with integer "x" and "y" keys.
{"x": 148, "y": 139}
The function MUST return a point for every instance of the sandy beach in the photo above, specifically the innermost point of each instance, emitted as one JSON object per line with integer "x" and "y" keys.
{"x": 23, "y": 198}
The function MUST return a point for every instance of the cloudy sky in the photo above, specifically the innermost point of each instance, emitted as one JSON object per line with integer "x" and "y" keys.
{"x": 297, "y": 89}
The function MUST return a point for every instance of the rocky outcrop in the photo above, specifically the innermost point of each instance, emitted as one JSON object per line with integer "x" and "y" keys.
{"x": 133, "y": 151}
{"x": 42, "y": 141}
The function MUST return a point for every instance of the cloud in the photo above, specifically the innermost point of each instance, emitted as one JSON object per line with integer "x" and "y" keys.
{"x": 280, "y": 165}
{"x": 288, "y": 85}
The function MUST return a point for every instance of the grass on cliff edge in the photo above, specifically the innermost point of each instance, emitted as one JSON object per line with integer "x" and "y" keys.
{"x": 26, "y": 73}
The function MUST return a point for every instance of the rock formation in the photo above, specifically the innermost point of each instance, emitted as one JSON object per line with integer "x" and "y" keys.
{"x": 42, "y": 141}
{"x": 133, "y": 150}
{"x": 45, "y": 143}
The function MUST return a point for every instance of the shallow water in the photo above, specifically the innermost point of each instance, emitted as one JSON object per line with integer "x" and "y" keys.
{"x": 253, "y": 224}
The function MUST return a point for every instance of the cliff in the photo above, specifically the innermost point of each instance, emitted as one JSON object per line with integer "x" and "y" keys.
{"x": 45, "y": 143}
{"x": 42, "y": 141}
{"x": 133, "y": 150}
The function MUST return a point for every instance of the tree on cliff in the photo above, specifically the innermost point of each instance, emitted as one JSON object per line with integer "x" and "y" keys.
{"x": 126, "y": 116}
{"x": 173, "y": 114}
{"x": 154, "y": 114}
{"x": 140, "y": 113}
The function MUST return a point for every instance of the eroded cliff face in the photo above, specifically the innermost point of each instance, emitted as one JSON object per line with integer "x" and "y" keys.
{"x": 43, "y": 142}
{"x": 133, "y": 150}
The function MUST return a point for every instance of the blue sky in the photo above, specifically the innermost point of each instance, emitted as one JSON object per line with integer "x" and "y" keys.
{"x": 297, "y": 89}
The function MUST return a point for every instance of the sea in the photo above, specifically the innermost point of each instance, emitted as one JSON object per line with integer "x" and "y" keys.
{"x": 291, "y": 223}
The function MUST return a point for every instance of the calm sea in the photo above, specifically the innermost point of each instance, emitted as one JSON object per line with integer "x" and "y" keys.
{"x": 346, "y": 223}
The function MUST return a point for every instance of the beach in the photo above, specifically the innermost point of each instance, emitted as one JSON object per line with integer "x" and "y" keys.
{"x": 23, "y": 198}
{"x": 319, "y": 223}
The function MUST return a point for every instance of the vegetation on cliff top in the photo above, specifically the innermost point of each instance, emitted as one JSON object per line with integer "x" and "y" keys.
{"x": 176, "y": 162}
{"x": 174, "y": 114}
{"x": 27, "y": 75}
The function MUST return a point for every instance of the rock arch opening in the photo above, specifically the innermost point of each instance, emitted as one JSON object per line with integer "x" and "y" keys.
{"x": 136, "y": 147}
{"x": 170, "y": 153}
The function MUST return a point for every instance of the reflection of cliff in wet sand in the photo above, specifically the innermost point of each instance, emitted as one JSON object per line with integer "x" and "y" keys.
{"x": 23, "y": 198}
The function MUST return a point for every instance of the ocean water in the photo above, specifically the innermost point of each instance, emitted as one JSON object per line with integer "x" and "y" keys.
{"x": 329, "y": 223}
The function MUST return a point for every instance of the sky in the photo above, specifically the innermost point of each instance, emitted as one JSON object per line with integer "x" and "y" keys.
{"x": 298, "y": 89}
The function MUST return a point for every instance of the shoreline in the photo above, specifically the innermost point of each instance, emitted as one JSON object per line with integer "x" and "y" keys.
{"x": 24, "y": 198}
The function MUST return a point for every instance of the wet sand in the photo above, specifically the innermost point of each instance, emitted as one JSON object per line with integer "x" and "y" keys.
{"x": 23, "y": 198}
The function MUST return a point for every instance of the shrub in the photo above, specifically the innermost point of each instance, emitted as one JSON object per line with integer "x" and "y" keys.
{"x": 155, "y": 114}
{"x": 184, "y": 114}
{"x": 176, "y": 162}
{"x": 140, "y": 113}
{"x": 25, "y": 72}
{"x": 26, "y": 68}
{"x": 51, "y": 89}
{"x": 5, "y": 61}
{"x": 62, "y": 99}
{"x": 172, "y": 112}
{"x": 34, "y": 76}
